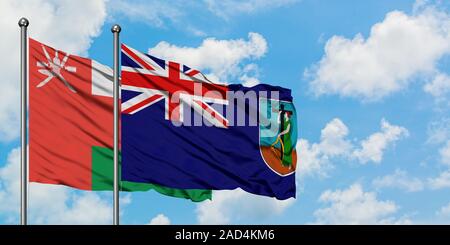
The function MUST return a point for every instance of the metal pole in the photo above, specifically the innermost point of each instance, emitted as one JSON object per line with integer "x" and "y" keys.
{"x": 116, "y": 30}
{"x": 23, "y": 23}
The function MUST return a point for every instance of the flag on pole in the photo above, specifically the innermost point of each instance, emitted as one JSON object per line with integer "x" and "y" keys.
{"x": 183, "y": 131}
{"x": 71, "y": 124}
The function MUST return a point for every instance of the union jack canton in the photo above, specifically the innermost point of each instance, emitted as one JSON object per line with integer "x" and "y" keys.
{"x": 155, "y": 79}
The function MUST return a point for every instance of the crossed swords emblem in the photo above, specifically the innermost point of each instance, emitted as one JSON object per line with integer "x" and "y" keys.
{"x": 53, "y": 69}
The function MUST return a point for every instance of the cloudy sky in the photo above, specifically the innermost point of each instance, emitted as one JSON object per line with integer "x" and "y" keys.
{"x": 370, "y": 80}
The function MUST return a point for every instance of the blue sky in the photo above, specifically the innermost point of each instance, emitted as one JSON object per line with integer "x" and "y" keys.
{"x": 370, "y": 80}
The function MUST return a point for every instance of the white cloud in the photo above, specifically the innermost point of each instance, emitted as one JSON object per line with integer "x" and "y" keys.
{"x": 223, "y": 58}
{"x": 354, "y": 206}
{"x": 439, "y": 134}
{"x": 439, "y": 131}
{"x": 399, "y": 179}
{"x": 68, "y": 25}
{"x": 439, "y": 86}
{"x": 311, "y": 160}
{"x": 314, "y": 159}
{"x": 160, "y": 219}
{"x": 250, "y": 75}
{"x": 397, "y": 49}
{"x": 445, "y": 153}
{"x": 10, "y": 183}
{"x": 444, "y": 211}
{"x": 373, "y": 147}
{"x": 232, "y": 206}
{"x": 332, "y": 138}
{"x": 51, "y": 204}
{"x": 442, "y": 181}
{"x": 228, "y": 8}
{"x": 249, "y": 81}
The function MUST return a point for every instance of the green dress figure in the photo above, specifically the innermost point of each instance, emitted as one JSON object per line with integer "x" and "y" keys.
{"x": 287, "y": 141}
{"x": 284, "y": 138}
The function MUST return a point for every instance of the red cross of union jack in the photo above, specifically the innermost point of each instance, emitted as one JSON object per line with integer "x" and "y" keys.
{"x": 156, "y": 79}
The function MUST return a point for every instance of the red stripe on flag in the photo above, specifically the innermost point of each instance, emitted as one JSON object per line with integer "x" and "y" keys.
{"x": 172, "y": 85}
{"x": 213, "y": 113}
{"x": 192, "y": 73}
{"x": 142, "y": 103}
{"x": 136, "y": 58}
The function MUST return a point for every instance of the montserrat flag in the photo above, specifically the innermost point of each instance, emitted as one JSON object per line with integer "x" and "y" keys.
{"x": 71, "y": 124}
{"x": 181, "y": 130}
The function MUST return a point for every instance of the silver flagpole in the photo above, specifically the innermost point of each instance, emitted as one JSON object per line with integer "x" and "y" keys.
{"x": 23, "y": 23}
{"x": 116, "y": 30}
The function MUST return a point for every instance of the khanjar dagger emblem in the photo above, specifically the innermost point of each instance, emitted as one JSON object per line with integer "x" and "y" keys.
{"x": 52, "y": 68}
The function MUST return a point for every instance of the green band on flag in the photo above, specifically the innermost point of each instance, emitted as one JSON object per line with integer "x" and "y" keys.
{"x": 102, "y": 179}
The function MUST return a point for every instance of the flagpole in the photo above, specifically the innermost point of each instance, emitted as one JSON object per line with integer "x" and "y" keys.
{"x": 23, "y": 23}
{"x": 116, "y": 30}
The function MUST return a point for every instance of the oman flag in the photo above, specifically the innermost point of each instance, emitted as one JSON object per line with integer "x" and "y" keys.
{"x": 71, "y": 124}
